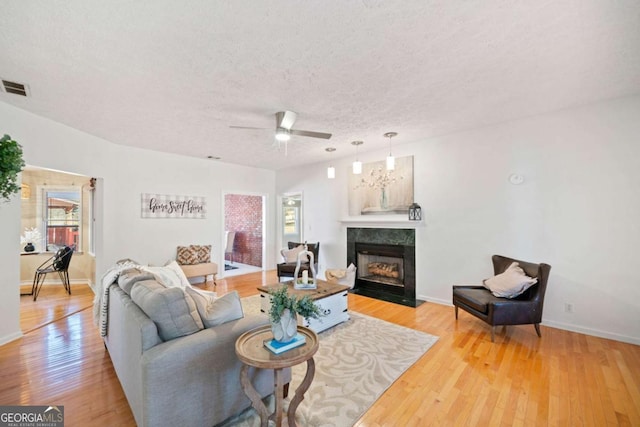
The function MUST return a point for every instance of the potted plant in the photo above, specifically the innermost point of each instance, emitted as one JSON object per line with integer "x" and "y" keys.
{"x": 284, "y": 310}
{"x": 11, "y": 165}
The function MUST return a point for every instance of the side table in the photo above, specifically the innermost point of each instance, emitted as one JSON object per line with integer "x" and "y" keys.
{"x": 251, "y": 352}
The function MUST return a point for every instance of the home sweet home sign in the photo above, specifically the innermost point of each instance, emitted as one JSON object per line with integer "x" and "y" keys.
{"x": 165, "y": 206}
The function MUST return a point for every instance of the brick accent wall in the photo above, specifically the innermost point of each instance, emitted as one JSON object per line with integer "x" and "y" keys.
{"x": 243, "y": 214}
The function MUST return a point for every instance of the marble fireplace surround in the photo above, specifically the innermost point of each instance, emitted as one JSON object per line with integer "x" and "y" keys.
{"x": 399, "y": 237}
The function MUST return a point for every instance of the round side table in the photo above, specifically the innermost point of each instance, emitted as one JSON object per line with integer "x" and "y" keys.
{"x": 252, "y": 352}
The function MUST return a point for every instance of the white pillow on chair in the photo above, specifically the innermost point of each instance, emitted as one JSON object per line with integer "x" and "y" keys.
{"x": 510, "y": 283}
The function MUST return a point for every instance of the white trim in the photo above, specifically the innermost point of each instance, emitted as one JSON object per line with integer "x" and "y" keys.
{"x": 11, "y": 337}
{"x": 55, "y": 280}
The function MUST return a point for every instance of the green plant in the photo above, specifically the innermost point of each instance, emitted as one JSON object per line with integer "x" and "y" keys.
{"x": 11, "y": 165}
{"x": 281, "y": 300}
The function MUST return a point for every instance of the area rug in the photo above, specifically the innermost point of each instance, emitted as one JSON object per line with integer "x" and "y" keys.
{"x": 356, "y": 362}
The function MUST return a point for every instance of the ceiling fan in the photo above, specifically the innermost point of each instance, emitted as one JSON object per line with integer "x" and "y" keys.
{"x": 284, "y": 123}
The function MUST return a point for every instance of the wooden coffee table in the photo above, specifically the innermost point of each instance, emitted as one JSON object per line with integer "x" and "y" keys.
{"x": 251, "y": 352}
{"x": 330, "y": 297}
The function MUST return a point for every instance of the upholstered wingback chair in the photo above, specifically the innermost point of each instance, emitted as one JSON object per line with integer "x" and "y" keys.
{"x": 524, "y": 309}
{"x": 286, "y": 269}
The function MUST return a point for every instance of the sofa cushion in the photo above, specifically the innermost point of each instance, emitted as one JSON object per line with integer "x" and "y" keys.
{"x": 171, "y": 309}
{"x": 216, "y": 311}
{"x": 188, "y": 255}
{"x": 129, "y": 277}
{"x": 510, "y": 283}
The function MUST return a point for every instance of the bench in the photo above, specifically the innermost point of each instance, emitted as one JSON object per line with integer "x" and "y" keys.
{"x": 201, "y": 270}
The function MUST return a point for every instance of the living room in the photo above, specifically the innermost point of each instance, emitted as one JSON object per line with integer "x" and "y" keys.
{"x": 576, "y": 208}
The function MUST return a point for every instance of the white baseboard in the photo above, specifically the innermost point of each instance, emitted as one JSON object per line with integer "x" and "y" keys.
{"x": 559, "y": 325}
{"x": 592, "y": 332}
{"x": 11, "y": 337}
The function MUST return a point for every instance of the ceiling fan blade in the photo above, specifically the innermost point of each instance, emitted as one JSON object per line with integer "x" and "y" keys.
{"x": 245, "y": 127}
{"x": 311, "y": 134}
{"x": 285, "y": 119}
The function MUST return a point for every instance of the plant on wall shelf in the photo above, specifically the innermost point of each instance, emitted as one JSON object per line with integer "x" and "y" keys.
{"x": 11, "y": 165}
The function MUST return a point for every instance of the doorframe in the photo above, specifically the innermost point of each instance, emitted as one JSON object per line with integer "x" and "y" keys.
{"x": 223, "y": 218}
{"x": 279, "y": 240}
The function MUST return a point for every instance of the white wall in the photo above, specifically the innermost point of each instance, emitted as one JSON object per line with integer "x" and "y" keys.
{"x": 577, "y": 210}
{"x": 9, "y": 270}
{"x": 124, "y": 174}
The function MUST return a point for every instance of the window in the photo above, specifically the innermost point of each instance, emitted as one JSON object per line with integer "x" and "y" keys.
{"x": 62, "y": 218}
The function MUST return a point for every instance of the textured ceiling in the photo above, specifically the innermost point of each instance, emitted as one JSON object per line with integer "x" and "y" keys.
{"x": 173, "y": 76}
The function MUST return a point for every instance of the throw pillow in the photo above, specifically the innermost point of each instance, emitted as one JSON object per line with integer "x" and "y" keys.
{"x": 131, "y": 276}
{"x": 188, "y": 255}
{"x": 291, "y": 255}
{"x": 204, "y": 253}
{"x": 510, "y": 283}
{"x": 167, "y": 276}
{"x": 174, "y": 313}
{"x": 216, "y": 311}
{"x": 175, "y": 269}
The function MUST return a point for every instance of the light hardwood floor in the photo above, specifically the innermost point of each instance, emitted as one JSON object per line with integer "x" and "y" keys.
{"x": 563, "y": 379}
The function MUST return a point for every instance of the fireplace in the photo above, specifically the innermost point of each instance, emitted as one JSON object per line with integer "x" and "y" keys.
{"x": 385, "y": 261}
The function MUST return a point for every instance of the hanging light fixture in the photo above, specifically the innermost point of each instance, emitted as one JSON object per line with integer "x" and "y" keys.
{"x": 391, "y": 161}
{"x": 331, "y": 171}
{"x": 357, "y": 165}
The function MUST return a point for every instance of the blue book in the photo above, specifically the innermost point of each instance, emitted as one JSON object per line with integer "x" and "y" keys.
{"x": 280, "y": 347}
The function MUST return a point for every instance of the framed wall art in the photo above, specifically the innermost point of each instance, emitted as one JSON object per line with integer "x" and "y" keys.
{"x": 378, "y": 191}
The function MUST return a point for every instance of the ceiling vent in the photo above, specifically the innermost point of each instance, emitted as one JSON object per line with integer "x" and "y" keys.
{"x": 15, "y": 88}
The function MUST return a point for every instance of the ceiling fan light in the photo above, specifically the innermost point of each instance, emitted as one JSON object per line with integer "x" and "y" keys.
{"x": 283, "y": 134}
{"x": 331, "y": 172}
{"x": 391, "y": 163}
{"x": 357, "y": 167}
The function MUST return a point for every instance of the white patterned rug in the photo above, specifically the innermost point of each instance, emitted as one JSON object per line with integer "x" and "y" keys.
{"x": 356, "y": 362}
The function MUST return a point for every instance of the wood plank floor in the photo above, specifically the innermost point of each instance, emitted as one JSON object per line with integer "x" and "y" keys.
{"x": 563, "y": 379}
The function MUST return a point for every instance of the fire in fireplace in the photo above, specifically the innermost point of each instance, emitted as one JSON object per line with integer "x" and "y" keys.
{"x": 382, "y": 266}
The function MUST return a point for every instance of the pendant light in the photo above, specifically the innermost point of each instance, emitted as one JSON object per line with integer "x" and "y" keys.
{"x": 331, "y": 171}
{"x": 391, "y": 161}
{"x": 357, "y": 165}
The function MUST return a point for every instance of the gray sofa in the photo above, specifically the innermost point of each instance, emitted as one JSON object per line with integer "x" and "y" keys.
{"x": 193, "y": 380}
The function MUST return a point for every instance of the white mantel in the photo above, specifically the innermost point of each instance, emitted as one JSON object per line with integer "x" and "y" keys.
{"x": 382, "y": 221}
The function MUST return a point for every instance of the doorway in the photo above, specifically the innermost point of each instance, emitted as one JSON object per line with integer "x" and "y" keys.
{"x": 57, "y": 209}
{"x": 244, "y": 233}
{"x": 291, "y": 219}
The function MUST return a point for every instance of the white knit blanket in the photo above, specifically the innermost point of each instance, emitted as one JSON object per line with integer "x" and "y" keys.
{"x": 101, "y": 300}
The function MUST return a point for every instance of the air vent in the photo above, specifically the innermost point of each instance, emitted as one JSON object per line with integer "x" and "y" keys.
{"x": 15, "y": 88}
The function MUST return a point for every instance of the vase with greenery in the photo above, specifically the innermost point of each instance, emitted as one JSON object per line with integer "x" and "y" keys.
{"x": 11, "y": 165}
{"x": 284, "y": 311}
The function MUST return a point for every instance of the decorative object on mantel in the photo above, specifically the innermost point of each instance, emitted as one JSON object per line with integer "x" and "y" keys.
{"x": 331, "y": 171}
{"x": 415, "y": 212}
{"x": 11, "y": 165}
{"x": 164, "y": 206}
{"x": 305, "y": 282}
{"x": 284, "y": 310}
{"x": 391, "y": 161}
{"x": 380, "y": 191}
{"x": 31, "y": 235}
{"x": 357, "y": 165}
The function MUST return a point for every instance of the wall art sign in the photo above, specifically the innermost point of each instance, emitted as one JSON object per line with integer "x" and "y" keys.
{"x": 378, "y": 191}
{"x": 165, "y": 206}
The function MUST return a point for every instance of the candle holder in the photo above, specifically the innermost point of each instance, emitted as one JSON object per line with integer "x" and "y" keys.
{"x": 308, "y": 282}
